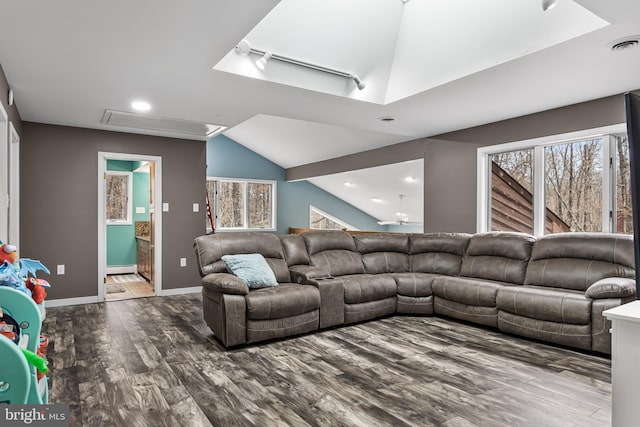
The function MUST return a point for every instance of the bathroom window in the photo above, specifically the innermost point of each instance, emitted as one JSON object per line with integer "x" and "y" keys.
{"x": 118, "y": 200}
{"x": 238, "y": 204}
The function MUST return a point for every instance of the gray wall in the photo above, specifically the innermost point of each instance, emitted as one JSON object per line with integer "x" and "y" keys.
{"x": 59, "y": 197}
{"x": 12, "y": 111}
{"x": 586, "y": 115}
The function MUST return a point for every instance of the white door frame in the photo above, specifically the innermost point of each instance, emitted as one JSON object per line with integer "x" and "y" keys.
{"x": 14, "y": 186}
{"x": 102, "y": 223}
{"x": 4, "y": 179}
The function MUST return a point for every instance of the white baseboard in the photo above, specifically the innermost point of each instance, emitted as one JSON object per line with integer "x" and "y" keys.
{"x": 179, "y": 291}
{"x": 70, "y": 301}
{"x": 94, "y": 299}
{"x": 122, "y": 269}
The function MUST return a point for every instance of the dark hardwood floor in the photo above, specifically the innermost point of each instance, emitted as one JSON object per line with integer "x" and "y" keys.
{"x": 152, "y": 362}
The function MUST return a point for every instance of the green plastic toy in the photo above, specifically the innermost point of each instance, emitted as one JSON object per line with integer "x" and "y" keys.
{"x": 39, "y": 362}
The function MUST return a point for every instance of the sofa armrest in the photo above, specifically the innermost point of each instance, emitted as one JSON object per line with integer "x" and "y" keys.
{"x": 225, "y": 283}
{"x": 612, "y": 287}
{"x": 306, "y": 273}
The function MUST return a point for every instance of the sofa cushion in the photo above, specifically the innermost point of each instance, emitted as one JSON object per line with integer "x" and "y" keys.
{"x": 211, "y": 247}
{"x": 577, "y": 260}
{"x": 549, "y": 304}
{"x": 361, "y": 288}
{"x": 252, "y": 269}
{"x": 334, "y": 252}
{"x": 383, "y": 253}
{"x": 414, "y": 284}
{"x": 469, "y": 291}
{"x": 286, "y": 300}
{"x": 295, "y": 251}
{"x": 439, "y": 253}
{"x": 498, "y": 256}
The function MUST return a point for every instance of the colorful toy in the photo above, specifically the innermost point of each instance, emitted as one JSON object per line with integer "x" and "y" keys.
{"x": 36, "y": 360}
{"x": 37, "y": 288}
{"x": 9, "y": 253}
{"x": 15, "y": 273}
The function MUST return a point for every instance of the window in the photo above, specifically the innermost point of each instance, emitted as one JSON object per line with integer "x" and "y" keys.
{"x": 323, "y": 221}
{"x": 118, "y": 200}
{"x": 238, "y": 204}
{"x": 557, "y": 184}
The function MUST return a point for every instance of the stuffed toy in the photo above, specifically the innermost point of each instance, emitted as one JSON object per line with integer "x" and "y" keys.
{"x": 15, "y": 271}
{"x": 37, "y": 288}
{"x": 9, "y": 253}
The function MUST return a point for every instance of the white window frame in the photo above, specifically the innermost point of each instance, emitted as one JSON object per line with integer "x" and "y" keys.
{"x": 245, "y": 219}
{"x": 129, "y": 219}
{"x": 483, "y": 215}
{"x": 331, "y": 217}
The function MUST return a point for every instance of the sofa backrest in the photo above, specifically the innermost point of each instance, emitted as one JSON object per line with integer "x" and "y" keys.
{"x": 295, "y": 251}
{"x": 499, "y": 256}
{"x": 383, "y": 253}
{"x": 577, "y": 260}
{"x": 210, "y": 249}
{"x": 333, "y": 251}
{"x": 438, "y": 253}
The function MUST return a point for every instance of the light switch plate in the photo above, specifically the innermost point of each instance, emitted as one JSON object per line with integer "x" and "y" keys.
{"x": 60, "y": 269}
{"x": 183, "y": 262}
{"x": 196, "y": 207}
{"x": 165, "y": 207}
{"x": 140, "y": 209}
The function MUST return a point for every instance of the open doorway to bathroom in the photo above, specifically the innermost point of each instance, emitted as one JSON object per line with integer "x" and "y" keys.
{"x": 129, "y": 227}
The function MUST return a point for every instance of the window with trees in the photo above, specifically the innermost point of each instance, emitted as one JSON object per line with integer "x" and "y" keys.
{"x": 238, "y": 204}
{"x": 323, "y": 221}
{"x": 546, "y": 186}
{"x": 118, "y": 200}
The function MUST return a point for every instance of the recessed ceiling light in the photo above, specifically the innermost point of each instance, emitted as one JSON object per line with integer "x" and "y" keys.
{"x": 376, "y": 200}
{"x": 387, "y": 119}
{"x": 141, "y": 106}
{"x": 411, "y": 179}
{"x": 348, "y": 184}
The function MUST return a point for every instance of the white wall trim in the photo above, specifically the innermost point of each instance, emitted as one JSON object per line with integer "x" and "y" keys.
{"x": 102, "y": 227}
{"x": 179, "y": 291}
{"x": 122, "y": 269}
{"x": 70, "y": 301}
{"x": 14, "y": 186}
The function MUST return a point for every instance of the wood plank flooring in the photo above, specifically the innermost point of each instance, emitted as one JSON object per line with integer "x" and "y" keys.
{"x": 153, "y": 362}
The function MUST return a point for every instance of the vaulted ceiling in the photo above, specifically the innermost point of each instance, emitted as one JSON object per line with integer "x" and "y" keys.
{"x": 435, "y": 66}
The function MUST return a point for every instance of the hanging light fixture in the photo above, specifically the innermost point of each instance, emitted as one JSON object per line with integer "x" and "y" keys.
{"x": 244, "y": 49}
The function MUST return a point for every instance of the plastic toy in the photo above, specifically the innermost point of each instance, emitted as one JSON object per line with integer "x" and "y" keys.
{"x": 35, "y": 360}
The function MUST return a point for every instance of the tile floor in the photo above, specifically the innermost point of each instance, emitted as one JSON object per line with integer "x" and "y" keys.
{"x": 138, "y": 289}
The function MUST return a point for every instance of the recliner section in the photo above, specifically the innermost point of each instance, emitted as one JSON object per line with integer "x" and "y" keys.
{"x": 553, "y": 289}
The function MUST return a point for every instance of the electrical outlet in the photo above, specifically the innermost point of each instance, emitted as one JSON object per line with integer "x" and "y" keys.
{"x": 183, "y": 262}
{"x": 196, "y": 207}
{"x": 60, "y": 269}
{"x": 165, "y": 207}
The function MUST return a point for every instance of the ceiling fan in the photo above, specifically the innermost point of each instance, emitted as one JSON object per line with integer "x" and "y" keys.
{"x": 401, "y": 218}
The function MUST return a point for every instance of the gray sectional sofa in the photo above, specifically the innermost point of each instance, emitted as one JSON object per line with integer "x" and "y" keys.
{"x": 553, "y": 288}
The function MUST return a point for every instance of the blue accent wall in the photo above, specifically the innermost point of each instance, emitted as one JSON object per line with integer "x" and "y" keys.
{"x": 228, "y": 159}
{"x": 121, "y": 239}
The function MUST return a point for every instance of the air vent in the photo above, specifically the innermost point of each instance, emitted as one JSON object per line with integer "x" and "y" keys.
{"x": 624, "y": 44}
{"x": 177, "y": 127}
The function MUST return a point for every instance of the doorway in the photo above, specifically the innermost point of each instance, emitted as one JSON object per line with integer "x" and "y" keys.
{"x": 129, "y": 237}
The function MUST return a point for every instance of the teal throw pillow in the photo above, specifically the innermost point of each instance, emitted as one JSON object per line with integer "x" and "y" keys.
{"x": 252, "y": 269}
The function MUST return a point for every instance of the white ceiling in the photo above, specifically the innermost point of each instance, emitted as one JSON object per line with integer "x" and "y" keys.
{"x": 444, "y": 66}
